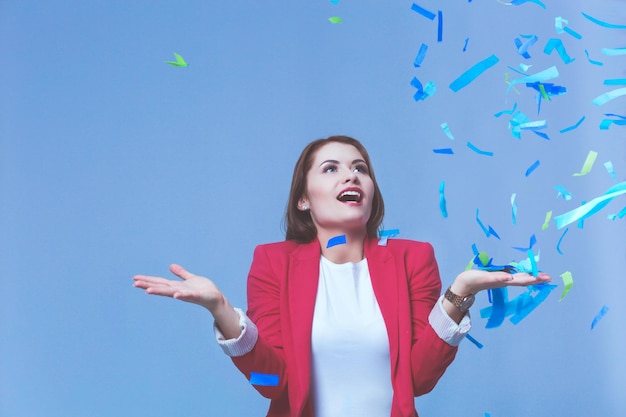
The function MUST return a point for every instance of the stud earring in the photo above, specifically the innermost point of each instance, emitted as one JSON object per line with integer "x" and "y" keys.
{"x": 305, "y": 207}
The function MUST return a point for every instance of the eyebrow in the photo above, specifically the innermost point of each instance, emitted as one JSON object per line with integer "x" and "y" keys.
{"x": 333, "y": 161}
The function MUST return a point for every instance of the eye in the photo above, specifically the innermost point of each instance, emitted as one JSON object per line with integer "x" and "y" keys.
{"x": 362, "y": 168}
{"x": 330, "y": 168}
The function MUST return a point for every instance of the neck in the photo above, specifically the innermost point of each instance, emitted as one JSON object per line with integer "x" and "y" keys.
{"x": 351, "y": 251}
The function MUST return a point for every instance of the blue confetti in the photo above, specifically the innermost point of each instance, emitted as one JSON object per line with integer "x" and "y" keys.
{"x": 562, "y": 192}
{"x": 544, "y": 75}
{"x": 619, "y": 215}
{"x": 478, "y": 151}
{"x": 266, "y": 380}
{"x": 613, "y": 51}
{"x": 608, "y": 96}
{"x": 592, "y": 207}
{"x": 337, "y": 240}
{"x": 533, "y": 262}
{"x": 446, "y": 130}
{"x": 474, "y": 341}
{"x": 549, "y": 88}
{"x": 558, "y": 245}
{"x": 599, "y": 316}
{"x": 439, "y": 26}
{"x": 520, "y": 2}
{"x": 573, "y": 33}
{"x": 498, "y": 307}
{"x": 523, "y": 47}
{"x": 532, "y": 168}
{"x": 513, "y": 209}
{"x": 447, "y": 151}
{"x": 420, "y": 10}
{"x": 389, "y": 233}
{"x": 471, "y": 74}
{"x": 557, "y": 44}
{"x": 422, "y": 92}
{"x": 488, "y": 231}
{"x": 606, "y": 123}
{"x": 541, "y": 135}
{"x": 578, "y": 123}
{"x": 527, "y": 303}
{"x": 602, "y": 23}
{"x": 581, "y": 221}
{"x": 598, "y": 63}
{"x": 421, "y": 54}
{"x": 609, "y": 168}
{"x": 500, "y": 113}
{"x": 442, "y": 200}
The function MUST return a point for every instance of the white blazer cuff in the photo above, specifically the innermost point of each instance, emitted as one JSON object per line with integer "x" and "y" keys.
{"x": 242, "y": 344}
{"x": 446, "y": 328}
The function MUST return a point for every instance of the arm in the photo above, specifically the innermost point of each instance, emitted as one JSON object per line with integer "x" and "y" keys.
{"x": 263, "y": 295}
{"x": 430, "y": 355}
{"x": 267, "y": 356}
{"x": 197, "y": 290}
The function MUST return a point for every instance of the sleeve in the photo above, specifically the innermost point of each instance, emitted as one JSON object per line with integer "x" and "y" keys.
{"x": 446, "y": 328}
{"x": 266, "y": 356}
{"x": 242, "y": 344}
{"x": 430, "y": 354}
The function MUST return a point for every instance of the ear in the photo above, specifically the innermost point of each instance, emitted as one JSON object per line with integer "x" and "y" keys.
{"x": 303, "y": 204}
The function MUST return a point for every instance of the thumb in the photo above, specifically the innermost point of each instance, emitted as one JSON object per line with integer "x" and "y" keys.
{"x": 180, "y": 271}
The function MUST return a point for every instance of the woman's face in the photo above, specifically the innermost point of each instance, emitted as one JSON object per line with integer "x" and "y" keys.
{"x": 339, "y": 189}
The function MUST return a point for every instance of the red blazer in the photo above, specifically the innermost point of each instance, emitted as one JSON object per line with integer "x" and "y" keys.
{"x": 282, "y": 287}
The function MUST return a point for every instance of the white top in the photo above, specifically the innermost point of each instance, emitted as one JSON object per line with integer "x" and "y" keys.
{"x": 350, "y": 364}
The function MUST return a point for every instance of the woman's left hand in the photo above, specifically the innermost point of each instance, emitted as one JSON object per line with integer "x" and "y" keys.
{"x": 476, "y": 280}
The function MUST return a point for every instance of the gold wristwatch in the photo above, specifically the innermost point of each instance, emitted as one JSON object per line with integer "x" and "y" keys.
{"x": 462, "y": 303}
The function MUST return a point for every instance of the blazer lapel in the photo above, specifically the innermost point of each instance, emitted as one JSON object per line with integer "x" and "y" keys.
{"x": 302, "y": 291}
{"x": 385, "y": 284}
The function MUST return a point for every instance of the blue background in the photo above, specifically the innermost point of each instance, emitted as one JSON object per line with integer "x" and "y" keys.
{"x": 114, "y": 163}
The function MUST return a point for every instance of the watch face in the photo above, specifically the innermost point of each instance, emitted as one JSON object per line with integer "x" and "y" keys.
{"x": 467, "y": 302}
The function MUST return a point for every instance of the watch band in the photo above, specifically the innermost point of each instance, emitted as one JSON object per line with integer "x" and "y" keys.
{"x": 463, "y": 303}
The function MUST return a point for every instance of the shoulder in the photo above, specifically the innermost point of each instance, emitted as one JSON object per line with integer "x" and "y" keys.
{"x": 399, "y": 246}
{"x": 286, "y": 248}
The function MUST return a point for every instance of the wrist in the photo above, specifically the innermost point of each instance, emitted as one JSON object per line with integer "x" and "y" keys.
{"x": 217, "y": 306}
{"x": 462, "y": 302}
{"x": 460, "y": 287}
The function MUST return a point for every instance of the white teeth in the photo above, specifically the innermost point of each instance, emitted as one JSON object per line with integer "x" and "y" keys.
{"x": 350, "y": 195}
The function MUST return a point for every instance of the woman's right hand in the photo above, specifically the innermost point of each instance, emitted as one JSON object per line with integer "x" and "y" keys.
{"x": 192, "y": 289}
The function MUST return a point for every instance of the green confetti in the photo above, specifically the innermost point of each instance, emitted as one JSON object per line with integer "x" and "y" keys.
{"x": 180, "y": 62}
{"x": 591, "y": 158}
{"x": 568, "y": 282}
{"x": 335, "y": 19}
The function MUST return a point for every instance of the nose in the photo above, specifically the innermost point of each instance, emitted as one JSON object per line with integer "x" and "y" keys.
{"x": 351, "y": 177}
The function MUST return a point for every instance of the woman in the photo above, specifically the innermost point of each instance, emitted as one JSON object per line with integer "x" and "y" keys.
{"x": 349, "y": 327}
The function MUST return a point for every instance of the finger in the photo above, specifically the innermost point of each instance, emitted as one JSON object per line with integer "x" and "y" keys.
{"x": 180, "y": 271}
{"x": 186, "y": 296}
{"x": 524, "y": 279}
{"x": 150, "y": 279}
{"x": 544, "y": 277}
{"x": 163, "y": 291}
{"x": 503, "y": 276}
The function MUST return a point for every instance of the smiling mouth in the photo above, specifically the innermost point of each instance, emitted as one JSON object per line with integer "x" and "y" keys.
{"x": 350, "y": 196}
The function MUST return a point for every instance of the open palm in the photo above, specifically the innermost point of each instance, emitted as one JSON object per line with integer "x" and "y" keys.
{"x": 193, "y": 288}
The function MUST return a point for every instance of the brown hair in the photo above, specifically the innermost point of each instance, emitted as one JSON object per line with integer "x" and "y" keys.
{"x": 299, "y": 224}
